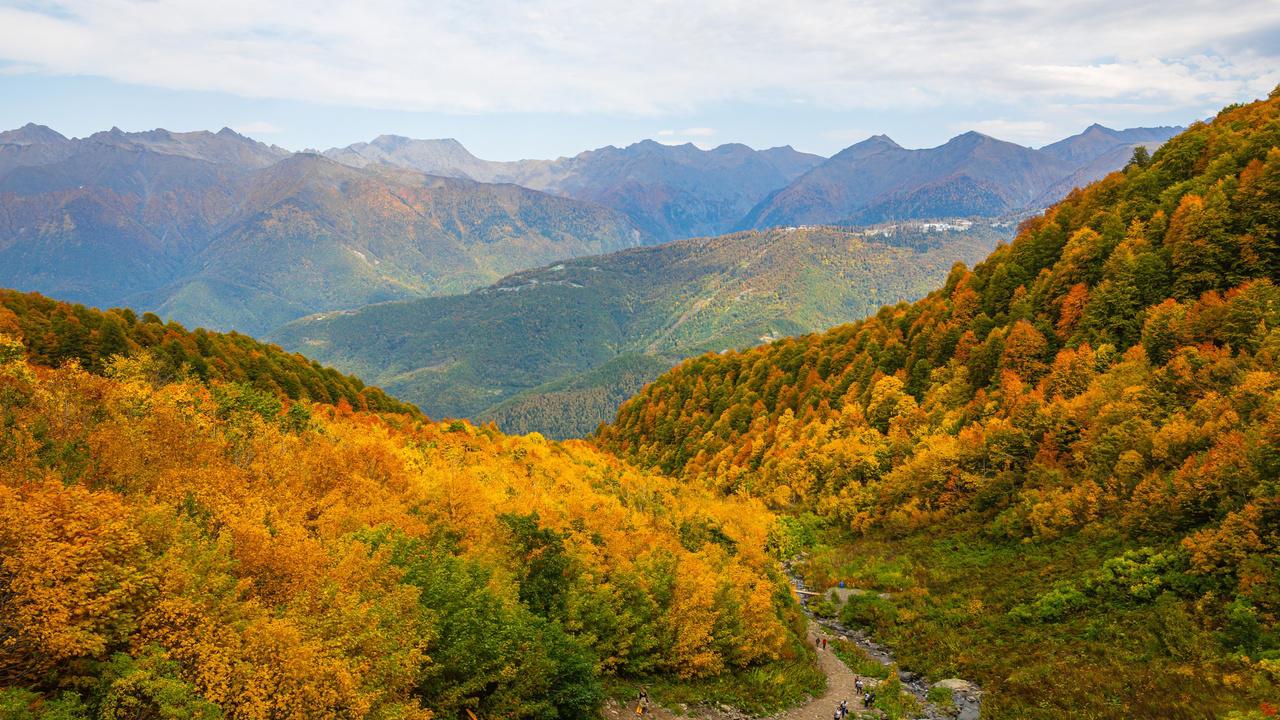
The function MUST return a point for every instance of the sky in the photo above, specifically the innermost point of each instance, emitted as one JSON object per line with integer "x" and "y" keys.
{"x": 546, "y": 78}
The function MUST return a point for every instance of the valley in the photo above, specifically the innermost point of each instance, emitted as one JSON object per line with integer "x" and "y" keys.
{"x": 556, "y": 350}
{"x": 394, "y": 432}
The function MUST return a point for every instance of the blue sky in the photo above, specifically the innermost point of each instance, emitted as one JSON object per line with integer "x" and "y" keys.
{"x": 544, "y": 78}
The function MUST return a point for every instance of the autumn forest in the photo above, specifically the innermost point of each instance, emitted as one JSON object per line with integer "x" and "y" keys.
{"x": 1057, "y": 475}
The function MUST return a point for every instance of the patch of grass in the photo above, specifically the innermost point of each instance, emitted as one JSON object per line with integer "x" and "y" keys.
{"x": 893, "y": 701}
{"x": 869, "y": 611}
{"x": 834, "y": 560}
{"x": 858, "y": 660}
{"x": 942, "y": 698}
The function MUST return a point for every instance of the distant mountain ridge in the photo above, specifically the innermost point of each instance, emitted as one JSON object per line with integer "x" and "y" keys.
{"x": 668, "y": 191}
{"x": 972, "y": 174}
{"x": 219, "y": 230}
{"x": 677, "y": 191}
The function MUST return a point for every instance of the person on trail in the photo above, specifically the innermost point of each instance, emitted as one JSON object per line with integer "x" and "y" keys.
{"x": 642, "y": 702}
{"x": 824, "y": 643}
{"x": 844, "y": 708}
{"x": 866, "y": 700}
{"x": 857, "y": 685}
{"x": 836, "y": 716}
{"x": 817, "y": 641}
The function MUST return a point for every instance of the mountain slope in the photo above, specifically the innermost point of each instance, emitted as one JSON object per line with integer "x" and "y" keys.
{"x": 1097, "y": 152}
{"x": 1067, "y": 452}
{"x": 316, "y": 235}
{"x": 217, "y": 230}
{"x": 668, "y": 191}
{"x": 1098, "y": 140}
{"x": 459, "y": 355}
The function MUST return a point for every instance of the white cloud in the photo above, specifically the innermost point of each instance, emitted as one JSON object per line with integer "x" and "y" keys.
{"x": 1022, "y": 131}
{"x": 619, "y": 56}
{"x": 257, "y": 127}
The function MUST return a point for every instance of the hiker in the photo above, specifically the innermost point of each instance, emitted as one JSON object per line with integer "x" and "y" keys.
{"x": 817, "y": 641}
{"x": 844, "y": 708}
{"x": 824, "y": 643}
{"x": 642, "y": 702}
{"x": 836, "y": 716}
{"x": 857, "y": 685}
{"x": 866, "y": 700}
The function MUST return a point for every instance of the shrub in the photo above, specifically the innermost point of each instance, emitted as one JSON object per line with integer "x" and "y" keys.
{"x": 825, "y": 608}
{"x": 868, "y": 611}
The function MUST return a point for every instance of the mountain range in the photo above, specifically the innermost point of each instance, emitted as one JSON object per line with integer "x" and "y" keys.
{"x": 1049, "y": 486}
{"x": 558, "y": 348}
{"x": 668, "y": 191}
{"x": 680, "y": 191}
{"x": 878, "y": 180}
{"x": 221, "y": 231}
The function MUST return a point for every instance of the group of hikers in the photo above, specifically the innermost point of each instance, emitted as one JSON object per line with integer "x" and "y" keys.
{"x": 868, "y": 697}
{"x": 868, "y": 700}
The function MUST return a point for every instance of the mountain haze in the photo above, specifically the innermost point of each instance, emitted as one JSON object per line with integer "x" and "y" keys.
{"x": 878, "y": 180}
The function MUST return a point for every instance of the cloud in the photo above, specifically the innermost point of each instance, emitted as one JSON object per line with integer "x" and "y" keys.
{"x": 257, "y": 127}
{"x": 618, "y": 56}
{"x": 1024, "y": 131}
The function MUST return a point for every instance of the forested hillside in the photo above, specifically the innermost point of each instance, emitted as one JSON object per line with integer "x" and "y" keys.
{"x": 575, "y": 339}
{"x": 1062, "y": 464}
{"x": 54, "y": 333}
{"x": 171, "y": 549}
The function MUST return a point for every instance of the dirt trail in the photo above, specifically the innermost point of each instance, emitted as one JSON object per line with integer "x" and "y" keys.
{"x": 840, "y": 686}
